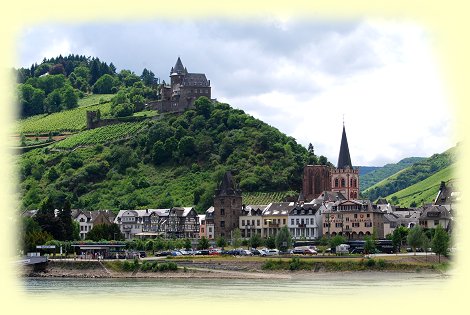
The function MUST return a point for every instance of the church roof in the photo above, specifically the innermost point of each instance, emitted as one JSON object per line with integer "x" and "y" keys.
{"x": 344, "y": 159}
{"x": 178, "y": 68}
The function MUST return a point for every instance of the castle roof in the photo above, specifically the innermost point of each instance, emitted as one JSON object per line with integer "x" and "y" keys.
{"x": 178, "y": 68}
{"x": 195, "y": 79}
{"x": 344, "y": 159}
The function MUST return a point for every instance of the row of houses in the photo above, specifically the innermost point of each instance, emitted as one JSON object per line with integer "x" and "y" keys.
{"x": 328, "y": 215}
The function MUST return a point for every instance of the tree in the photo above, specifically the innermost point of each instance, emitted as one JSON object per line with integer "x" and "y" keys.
{"x": 203, "y": 243}
{"x": 187, "y": 244}
{"x": 236, "y": 238}
{"x": 221, "y": 242}
{"x": 270, "y": 242}
{"x": 283, "y": 239}
{"x": 65, "y": 220}
{"x": 255, "y": 240}
{"x": 399, "y": 236}
{"x": 336, "y": 240}
{"x": 440, "y": 242}
{"x": 369, "y": 246}
{"x": 53, "y": 102}
{"x": 415, "y": 237}
{"x": 69, "y": 97}
{"x": 104, "y": 84}
{"x": 108, "y": 232}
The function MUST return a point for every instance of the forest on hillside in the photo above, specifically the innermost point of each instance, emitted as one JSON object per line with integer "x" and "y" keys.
{"x": 174, "y": 161}
{"x": 57, "y": 84}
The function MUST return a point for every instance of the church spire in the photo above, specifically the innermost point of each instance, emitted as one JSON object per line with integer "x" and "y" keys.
{"x": 344, "y": 159}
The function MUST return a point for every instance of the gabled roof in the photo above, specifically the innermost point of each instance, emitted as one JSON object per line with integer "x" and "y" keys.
{"x": 279, "y": 208}
{"x": 344, "y": 159}
{"x": 435, "y": 212}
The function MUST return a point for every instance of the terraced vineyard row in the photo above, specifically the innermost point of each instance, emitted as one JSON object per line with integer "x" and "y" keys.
{"x": 94, "y": 99}
{"x": 68, "y": 120}
{"x": 100, "y": 135}
{"x": 265, "y": 198}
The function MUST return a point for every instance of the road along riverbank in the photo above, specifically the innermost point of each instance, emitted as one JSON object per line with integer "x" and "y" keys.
{"x": 232, "y": 267}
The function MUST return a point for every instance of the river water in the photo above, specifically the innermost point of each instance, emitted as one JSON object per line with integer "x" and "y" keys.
{"x": 197, "y": 290}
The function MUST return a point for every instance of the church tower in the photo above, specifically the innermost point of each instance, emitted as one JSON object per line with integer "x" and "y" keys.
{"x": 227, "y": 207}
{"x": 344, "y": 178}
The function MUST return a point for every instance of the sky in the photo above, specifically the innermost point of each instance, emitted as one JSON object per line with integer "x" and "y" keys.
{"x": 303, "y": 76}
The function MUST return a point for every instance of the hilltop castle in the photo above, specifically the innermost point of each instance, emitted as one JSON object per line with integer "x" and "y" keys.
{"x": 344, "y": 178}
{"x": 183, "y": 90}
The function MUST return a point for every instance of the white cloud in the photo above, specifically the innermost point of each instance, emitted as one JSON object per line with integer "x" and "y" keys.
{"x": 297, "y": 75}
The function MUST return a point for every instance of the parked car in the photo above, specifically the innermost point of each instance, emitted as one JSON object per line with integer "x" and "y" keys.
{"x": 164, "y": 253}
{"x": 142, "y": 254}
{"x": 214, "y": 251}
{"x": 176, "y": 253}
{"x": 298, "y": 251}
{"x": 257, "y": 252}
{"x": 191, "y": 252}
{"x": 271, "y": 252}
{"x": 309, "y": 251}
{"x": 202, "y": 252}
{"x": 246, "y": 252}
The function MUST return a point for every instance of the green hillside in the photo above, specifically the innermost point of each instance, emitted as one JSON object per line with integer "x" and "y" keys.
{"x": 375, "y": 176}
{"x": 424, "y": 191}
{"x": 67, "y": 120}
{"x": 411, "y": 175}
{"x": 176, "y": 160}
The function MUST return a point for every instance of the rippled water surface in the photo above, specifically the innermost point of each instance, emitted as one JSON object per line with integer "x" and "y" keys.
{"x": 198, "y": 289}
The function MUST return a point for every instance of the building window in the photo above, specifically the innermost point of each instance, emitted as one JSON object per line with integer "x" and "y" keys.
{"x": 222, "y": 211}
{"x": 312, "y": 221}
{"x": 296, "y": 221}
{"x": 243, "y": 222}
{"x": 210, "y": 230}
{"x": 436, "y": 222}
{"x": 284, "y": 221}
{"x": 202, "y": 230}
{"x": 343, "y": 182}
{"x": 257, "y": 222}
{"x": 355, "y": 216}
{"x": 368, "y": 215}
{"x": 291, "y": 221}
{"x": 336, "y": 182}
{"x": 222, "y": 223}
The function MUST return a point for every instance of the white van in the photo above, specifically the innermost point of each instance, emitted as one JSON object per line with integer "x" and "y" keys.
{"x": 342, "y": 249}
{"x": 271, "y": 252}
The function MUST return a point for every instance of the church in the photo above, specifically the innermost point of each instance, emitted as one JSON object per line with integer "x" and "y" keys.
{"x": 343, "y": 178}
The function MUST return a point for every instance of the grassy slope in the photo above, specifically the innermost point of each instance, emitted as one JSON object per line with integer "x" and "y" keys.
{"x": 423, "y": 191}
{"x": 68, "y": 120}
{"x": 374, "y": 177}
{"x": 100, "y": 135}
{"x": 389, "y": 180}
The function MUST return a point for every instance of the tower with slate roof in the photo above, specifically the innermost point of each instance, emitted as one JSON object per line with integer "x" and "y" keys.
{"x": 345, "y": 178}
{"x": 227, "y": 207}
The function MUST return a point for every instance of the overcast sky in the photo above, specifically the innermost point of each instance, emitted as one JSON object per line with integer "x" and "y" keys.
{"x": 300, "y": 76}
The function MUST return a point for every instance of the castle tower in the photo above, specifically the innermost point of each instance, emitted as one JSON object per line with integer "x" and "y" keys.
{"x": 177, "y": 73}
{"x": 345, "y": 179}
{"x": 227, "y": 207}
